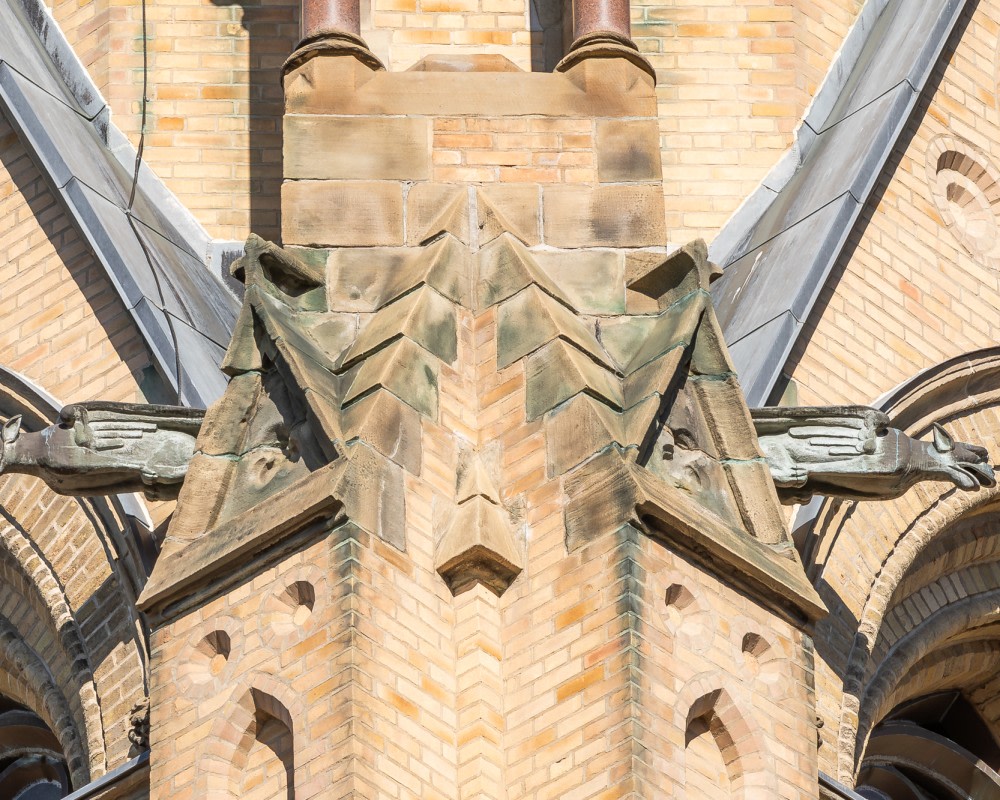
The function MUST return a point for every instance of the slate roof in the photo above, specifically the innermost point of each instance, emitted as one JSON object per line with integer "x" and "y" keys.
{"x": 778, "y": 249}
{"x": 157, "y": 257}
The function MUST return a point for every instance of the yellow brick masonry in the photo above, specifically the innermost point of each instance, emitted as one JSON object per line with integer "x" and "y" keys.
{"x": 576, "y": 683}
{"x": 65, "y": 326}
{"x": 907, "y": 293}
{"x": 66, "y": 329}
{"x": 734, "y": 79}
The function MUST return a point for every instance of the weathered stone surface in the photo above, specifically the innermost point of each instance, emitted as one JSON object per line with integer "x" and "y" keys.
{"x": 854, "y": 452}
{"x": 605, "y": 216}
{"x": 684, "y": 456}
{"x": 757, "y": 501}
{"x": 345, "y": 72}
{"x": 220, "y": 548}
{"x": 356, "y": 213}
{"x": 403, "y": 368}
{"x": 511, "y": 207}
{"x": 423, "y": 316}
{"x": 605, "y": 72}
{"x": 576, "y": 431}
{"x": 628, "y": 150}
{"x": 388, "y": 425}
{"x": 106, "y": 448}
{"x": 532, "y": 318}
{"x": 465, "y": 62}
{"x": 357, "y": 148}
{"x": 558, "y": 371}
{"x": 609, "y": 90}
{"x": 478, "y": 547}
{"x": 677, "y": 326}
{"x": 367, "y": 279}
{"x": 475, "y": 481}
{"x": 655, "y": 281}
{"x": 224, "y": 428}
{"x": 623, "y": 336}
{"x": 591, "y": 280}
{"x": 506, "y": 267}
{"x": 434, "y": 208}
{"x": 608, "y": 492}
{"x": 729, "y": 419}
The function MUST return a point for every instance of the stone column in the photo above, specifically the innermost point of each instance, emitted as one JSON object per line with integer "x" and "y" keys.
{"x": 330, "y": 17}
{"x": 601, "y": 16}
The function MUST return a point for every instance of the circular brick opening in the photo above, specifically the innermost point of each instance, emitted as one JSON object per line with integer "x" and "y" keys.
{"x": 966, "y": 190}
{"x": 293, "y": 607}
{"x": 211, "y": 655}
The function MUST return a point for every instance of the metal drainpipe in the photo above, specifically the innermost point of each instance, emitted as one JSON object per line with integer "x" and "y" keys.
{"x": 322, "y": 18}
{"x": 601, "y": 16}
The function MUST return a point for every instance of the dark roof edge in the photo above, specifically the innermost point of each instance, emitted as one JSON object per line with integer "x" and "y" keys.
{"x": 834, "y": 788}
{"x": 740, "y": 225}
{"x": 766, "y": 216}
{"x": 83, "y": 89}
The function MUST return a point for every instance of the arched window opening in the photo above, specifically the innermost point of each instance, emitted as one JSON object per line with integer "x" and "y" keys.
{"x": 711, "y": 759}
{"x": 32, "y": 763}
{"x": 269, "y": 771}
{"x": 936, "y": 747}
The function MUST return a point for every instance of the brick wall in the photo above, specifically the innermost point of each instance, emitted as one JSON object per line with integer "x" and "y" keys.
{"x": 917, "y": 283}
{"x": 734, "y": 79}
{"x": 65, "y": 326}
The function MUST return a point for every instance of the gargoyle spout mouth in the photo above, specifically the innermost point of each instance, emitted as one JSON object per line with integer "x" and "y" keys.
{"x": 982, "y": 473}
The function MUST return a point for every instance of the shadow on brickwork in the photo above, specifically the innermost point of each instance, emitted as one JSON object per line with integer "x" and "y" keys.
{"x": 75, "y": 254}
{"x": 272, "y": 29}
{"x": 837, "y": 634}
{"x": 550, "y": 23}
{"x": 857, "y": 235}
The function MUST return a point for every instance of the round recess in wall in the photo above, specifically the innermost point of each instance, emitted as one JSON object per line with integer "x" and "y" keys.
{"x": 965, "y": 186}
{"x": 290, "y": 609}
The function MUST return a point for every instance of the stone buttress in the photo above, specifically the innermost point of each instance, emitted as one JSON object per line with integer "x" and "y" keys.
{"x": 482, "y": 512}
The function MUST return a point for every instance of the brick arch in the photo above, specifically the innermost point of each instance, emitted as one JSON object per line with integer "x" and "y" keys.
{"x": 940, "y": 626}
{"x": 37, "y": 573}
{"x": 954, "y": 666}
{"x": 36, "y": 528}
{"x": 26, "y": 671}
{"x": 861, "y": 552}
{"x": 931, "y": 597}
{"x": 970, "y": 541}
{"x": 743, "y": 746}
{"x": 233, "y": 734}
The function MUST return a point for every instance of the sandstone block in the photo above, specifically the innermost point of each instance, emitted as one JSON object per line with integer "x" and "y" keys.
{"x": 356, "y": 213}
{"x": 605, "y": 216}
{"x": 628, "y": 150}
{"x": 509, "y": 207}
{"x": 357, "y": 148}
{"x": 558, "y": 371}
{"x": 433, "y": 208}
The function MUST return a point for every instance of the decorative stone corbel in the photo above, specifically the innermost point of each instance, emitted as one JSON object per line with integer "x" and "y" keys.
{"x": 479, "y": 545}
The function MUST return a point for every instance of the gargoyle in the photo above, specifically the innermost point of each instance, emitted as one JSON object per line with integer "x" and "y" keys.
{"x": 854, "y": 452}
{"x": 106, "y": 448}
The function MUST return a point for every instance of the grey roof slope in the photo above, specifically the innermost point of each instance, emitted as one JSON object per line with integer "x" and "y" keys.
{"x": 156, "y": 254}
{"x": 778, "y": 249}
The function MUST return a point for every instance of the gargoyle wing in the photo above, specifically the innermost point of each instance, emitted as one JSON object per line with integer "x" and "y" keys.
{"x": 828, "y": 433}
